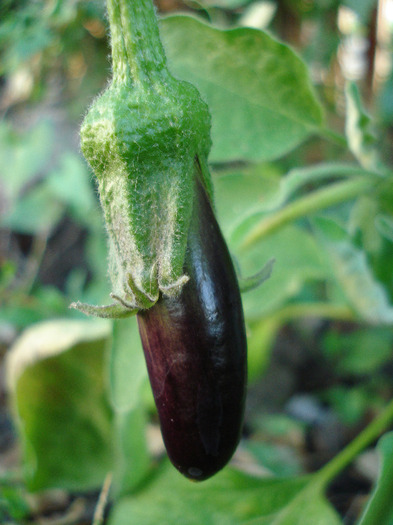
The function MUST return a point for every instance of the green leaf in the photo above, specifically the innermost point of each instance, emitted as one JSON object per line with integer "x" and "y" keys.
{"x": 358, "y": 128}
{"x": 280, "y": 460}
{"x": 71, "y": 184}
{"x": 30, "y": 206}
{"x": 260, "y": 338}
{"x": 298, "y": 260}
{"x": 133, "y": 460}
{"x": 55, "y": 373}
{"x": 128, "y": 376}
{"x": 349, "y": 403}
{"x": 352, "y": 353}
{"x": 300, "y": 177}
{"x": 384, "y": 225}
{"x": 23, "y": 156}
{"x": 363, "y": 220}
{"x": 127, "y": 365}
{"x": 230, "y": 498}
{"x": 34, "y": 199}
{"x": 37, "y": 212}
{"x": 353, "y": 274}
{"x": 258, "y": 90}
{"x": 309, "y": 507}
{"x": 225, "y": 4}
{"x": 261, "y": 189}
{"x": 252, "y": 282}
{"x": 241, "y": 193}
{"x": 46, "y": 302}
{"x": 379, "y": 509}
{"x": 14, "y": 507}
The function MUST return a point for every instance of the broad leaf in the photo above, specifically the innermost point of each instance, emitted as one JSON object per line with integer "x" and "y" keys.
{"x": 127, "y": 365}
{"x": 55, "y": 373}
{"x": 241, "y": 193}
{"x": 23, "y": 157}
{"x": 230, "y": 498}
{"x": 128, "y": 376}
{"x": 309, "y": 507}
{"x": 133, "y": 460}
{"x": 297, "y": 260}
{"x": 260, "y": 338}
{"x": 258, "y": 90}
{"x": 37, "y": 212}
{"x": 71, "y": 184}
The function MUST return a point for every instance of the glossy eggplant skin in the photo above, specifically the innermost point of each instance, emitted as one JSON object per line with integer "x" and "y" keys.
{"x": 196, "y": 353}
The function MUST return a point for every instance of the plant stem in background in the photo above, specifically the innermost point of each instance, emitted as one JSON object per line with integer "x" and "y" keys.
{"x": 322, "y": 310}
{"x": 315, "y": 201}
{"x": 361, "y": 442}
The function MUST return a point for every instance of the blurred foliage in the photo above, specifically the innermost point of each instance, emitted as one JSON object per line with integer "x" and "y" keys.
{"x": 302, "y": 169}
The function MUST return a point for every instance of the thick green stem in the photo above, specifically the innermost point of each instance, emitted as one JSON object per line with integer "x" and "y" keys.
{"x": 362, "y": 441}
{"x": 137, "y": 52}
{"x": 315, "y": 201}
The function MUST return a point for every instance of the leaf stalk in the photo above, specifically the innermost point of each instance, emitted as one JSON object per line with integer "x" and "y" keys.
{"x": 317, "y": 200}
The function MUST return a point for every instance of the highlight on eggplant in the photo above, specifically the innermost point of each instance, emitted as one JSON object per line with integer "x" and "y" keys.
{"x": 196, "y": 353}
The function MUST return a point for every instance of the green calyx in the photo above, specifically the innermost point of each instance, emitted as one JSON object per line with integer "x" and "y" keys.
{"x": 143, "y": 138}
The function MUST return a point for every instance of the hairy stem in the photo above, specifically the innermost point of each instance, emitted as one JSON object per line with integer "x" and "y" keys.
{"x": 137, "y": 52}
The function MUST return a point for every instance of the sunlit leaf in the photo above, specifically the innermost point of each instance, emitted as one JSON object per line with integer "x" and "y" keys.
{"x": 71, "y": 184}
{"x": 260, "y": 338}
{"x": 241, "y": 193}
{"x": 37, "y": 212}
{"x": 57, "y": 384}
{"x": 127, "y": 365}
{"x": 230, "y": 498}
{"x": 127, "y": 378}
{"x": 133, "y": 460}
{"x": 23, "y": 156}
{"x": 309, "y": 507}
{"x": 258, "y": 90}
{"x": 297, "y": 260}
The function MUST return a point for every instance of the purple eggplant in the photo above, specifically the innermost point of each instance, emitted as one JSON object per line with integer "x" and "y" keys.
{"x": 196, "y": 353}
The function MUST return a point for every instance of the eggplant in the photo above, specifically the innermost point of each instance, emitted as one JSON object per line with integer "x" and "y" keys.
{"x": 196, "y": 353}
